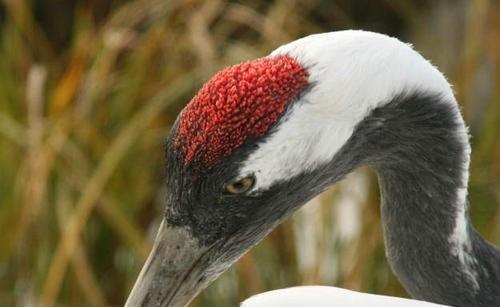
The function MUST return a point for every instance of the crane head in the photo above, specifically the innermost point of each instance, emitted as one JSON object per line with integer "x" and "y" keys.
{"x": 263, "y": 137}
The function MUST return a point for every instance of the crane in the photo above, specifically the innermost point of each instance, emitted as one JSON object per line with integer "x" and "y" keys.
{"x": 263, "y": 137}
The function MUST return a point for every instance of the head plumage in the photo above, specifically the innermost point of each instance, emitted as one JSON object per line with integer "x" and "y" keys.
{"x": 240, "y": 102}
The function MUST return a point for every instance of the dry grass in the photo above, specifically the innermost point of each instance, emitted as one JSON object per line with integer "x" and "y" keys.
{"x": 88, "y": 91}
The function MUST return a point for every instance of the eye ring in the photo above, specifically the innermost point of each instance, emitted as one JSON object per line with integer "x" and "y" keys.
{"x": 240, "y": 185}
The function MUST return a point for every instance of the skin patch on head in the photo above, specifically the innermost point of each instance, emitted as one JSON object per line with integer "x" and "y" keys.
{"x": 239, "y": 102}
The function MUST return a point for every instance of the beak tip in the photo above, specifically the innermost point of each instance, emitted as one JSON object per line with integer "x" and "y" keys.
{"x": 173, "y": 273}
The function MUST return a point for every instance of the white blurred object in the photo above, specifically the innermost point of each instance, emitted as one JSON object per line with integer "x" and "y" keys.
{"x": 320, "y": 296}
{"x": 353, "y": 194}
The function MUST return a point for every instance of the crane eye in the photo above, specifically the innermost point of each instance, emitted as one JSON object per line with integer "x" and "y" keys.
{"x": 239, "y": 186}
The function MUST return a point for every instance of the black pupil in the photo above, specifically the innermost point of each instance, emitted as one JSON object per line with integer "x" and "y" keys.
{"x": 239, "y": 185}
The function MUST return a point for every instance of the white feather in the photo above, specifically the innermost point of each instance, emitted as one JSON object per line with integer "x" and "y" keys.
{"x": 352, "y": 72}
{"x": 319, "y": 296}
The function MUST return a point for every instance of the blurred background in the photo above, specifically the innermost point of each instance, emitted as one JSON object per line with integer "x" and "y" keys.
{"x": 89, "y": 90}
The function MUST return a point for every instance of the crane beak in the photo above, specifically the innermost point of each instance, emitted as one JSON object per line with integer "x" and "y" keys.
{"x": 175, "y": 271}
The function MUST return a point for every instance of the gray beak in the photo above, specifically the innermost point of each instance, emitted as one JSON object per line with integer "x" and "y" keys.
{"x": 175, "y": 271}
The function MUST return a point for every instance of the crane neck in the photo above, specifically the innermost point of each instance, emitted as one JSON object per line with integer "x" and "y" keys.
{"x": 421, "y": 155}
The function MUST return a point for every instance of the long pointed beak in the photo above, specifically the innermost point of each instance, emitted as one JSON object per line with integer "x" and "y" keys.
{"x": 175, "y": 271}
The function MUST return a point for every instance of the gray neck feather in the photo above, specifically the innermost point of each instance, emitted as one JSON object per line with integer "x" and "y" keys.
{"x": 419, "y": 149}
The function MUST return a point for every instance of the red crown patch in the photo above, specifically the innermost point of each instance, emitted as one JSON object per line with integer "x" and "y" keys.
{"x": 239, "y": 102}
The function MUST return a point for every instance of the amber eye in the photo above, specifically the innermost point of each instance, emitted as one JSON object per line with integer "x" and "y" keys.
{"x": 239, "y": 186}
